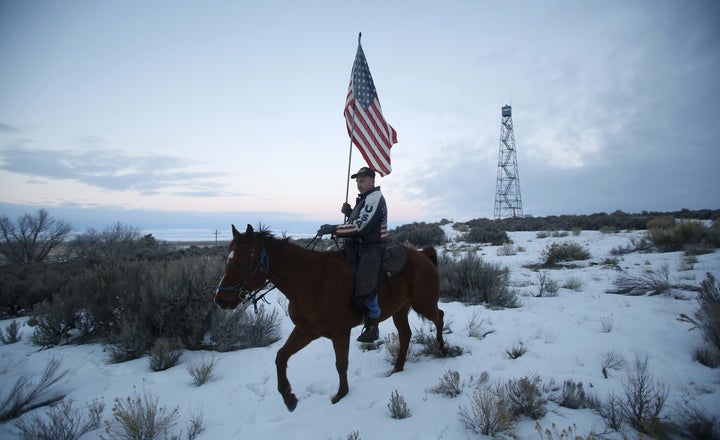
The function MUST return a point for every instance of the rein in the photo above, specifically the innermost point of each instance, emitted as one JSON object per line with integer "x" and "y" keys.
{"x": 263, "y": 266}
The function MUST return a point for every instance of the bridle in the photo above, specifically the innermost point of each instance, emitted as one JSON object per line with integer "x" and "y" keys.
{"x": 262, "y": 266}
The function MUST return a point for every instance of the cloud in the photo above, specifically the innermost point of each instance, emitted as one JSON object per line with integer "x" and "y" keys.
{"x": 89, "y": 141}
{"x": 82, "y": 217}
{"x": 110, "y": 169}
{"x": 625, "y": 122}
{"x": 4, "y": 128}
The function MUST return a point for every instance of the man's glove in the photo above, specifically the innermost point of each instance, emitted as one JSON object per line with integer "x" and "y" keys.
{"x": 346, "y": 209}
{"x": 326, "y": 229}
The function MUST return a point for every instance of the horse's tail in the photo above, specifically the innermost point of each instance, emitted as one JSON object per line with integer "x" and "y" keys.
{"x": 431, "y": 253}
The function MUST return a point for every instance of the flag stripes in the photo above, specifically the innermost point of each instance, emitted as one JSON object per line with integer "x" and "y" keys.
{"x": 366, "y": 126}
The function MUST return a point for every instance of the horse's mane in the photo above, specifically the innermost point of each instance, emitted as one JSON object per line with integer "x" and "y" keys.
{"x": 263, "y": 233}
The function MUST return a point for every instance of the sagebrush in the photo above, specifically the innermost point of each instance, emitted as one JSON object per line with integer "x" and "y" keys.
{"x": 488, "y": 412}
{"x": 140, "y": 418}
{"x": 397, "y": 406}
{"x": 202, "y": 371}
{"x": 561, "y": 252}
{"x": 11, "y": 334}
{"x": 165, "y": 353}
{"x": 27, "y": 394}
{"x": 62, "y": 422}
{"x": 474, "y": 281}
{"x": 449, "y": 385}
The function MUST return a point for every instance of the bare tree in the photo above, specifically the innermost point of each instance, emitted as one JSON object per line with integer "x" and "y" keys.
{"x": 115, "y": 241}
{"x": 31, "y": 239}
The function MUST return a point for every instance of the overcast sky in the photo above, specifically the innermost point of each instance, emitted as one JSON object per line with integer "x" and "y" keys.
{"x": 181, "y": 113}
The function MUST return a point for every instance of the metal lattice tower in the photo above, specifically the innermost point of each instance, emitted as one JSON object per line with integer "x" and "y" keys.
{"x": 507, "y": 195}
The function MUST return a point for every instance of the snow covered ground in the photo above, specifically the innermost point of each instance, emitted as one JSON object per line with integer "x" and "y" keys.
{"x": 567, "y": 337}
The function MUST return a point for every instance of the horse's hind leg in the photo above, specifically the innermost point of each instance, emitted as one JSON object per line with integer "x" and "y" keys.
{"x": 341, "y": 345}
{"x": 400, "y": 318}
{"x": 439, "y": 324}
{"x": 295, "y": 342}
{"x": 436, "y": 315}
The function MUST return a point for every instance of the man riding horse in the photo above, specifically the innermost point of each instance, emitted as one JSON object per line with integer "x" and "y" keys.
{"x": 364, "y": 233}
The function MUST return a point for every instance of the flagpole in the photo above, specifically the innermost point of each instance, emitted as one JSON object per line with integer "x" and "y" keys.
{"x": 352, "y": 133}
{"x": 347, "y": 184}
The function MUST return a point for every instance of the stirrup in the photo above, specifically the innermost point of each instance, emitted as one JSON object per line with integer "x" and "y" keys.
{"x": 369, "y": 334}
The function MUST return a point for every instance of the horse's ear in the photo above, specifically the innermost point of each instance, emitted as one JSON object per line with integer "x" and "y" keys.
{"x": 235, "y": 232}
{"x": 249, "y": 232}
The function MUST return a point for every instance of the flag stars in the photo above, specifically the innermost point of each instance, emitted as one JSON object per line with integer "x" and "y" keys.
{"x": 362, "y": 81}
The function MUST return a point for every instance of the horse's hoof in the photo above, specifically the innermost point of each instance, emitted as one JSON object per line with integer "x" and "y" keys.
{"x": 291, "y": 403}
{"x": 336, "y": 398}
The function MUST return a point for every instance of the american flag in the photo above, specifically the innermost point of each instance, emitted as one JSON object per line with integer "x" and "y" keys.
{"x": 367, "y": 127}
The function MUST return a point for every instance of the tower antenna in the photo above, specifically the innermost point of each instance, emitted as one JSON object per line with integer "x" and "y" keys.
{"x": 508, "y": 202}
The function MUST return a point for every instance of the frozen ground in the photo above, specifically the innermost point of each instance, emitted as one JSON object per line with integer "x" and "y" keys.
{"x": 566, "y": 337}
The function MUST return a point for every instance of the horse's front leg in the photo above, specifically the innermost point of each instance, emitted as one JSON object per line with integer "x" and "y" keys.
{"x": 400, "y": 318}
{"x": 295, "y": 342}
{"x": 341, "y": 345}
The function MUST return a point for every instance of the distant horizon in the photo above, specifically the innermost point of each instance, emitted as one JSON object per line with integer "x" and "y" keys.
{"x": 201, "y": 226}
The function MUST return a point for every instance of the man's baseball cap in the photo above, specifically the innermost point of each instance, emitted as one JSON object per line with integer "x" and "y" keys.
{"x": 364, "y": 171}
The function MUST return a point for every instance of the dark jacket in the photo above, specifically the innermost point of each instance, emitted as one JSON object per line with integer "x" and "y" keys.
{"x": 367, "y": 222}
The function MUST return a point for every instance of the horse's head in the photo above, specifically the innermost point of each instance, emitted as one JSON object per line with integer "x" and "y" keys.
{"x": 245, "y": 269}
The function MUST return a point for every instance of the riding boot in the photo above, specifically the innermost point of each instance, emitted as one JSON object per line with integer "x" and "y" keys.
{"x": 370, "y": 332}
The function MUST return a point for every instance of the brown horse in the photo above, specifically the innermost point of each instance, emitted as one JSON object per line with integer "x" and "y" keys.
{"x": 318, "y": 285}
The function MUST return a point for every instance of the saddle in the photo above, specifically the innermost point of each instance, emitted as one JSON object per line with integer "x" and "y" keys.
{"x": 393, "y": 260}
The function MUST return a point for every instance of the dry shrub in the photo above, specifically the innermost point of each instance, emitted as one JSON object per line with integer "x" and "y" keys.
{"x": 546, "y": 286}
{"x": 418, "y": 234}
{"x": 202, "y": 371}
{"x": 507, "y": 249}
{"x": 425, "y": 336}
{"x": 53, "y": 320}
{"x": 449, "y": 385}
{"x": 641, "y": 403}
{"x": 708, "y": 315}
{"x": 613, "y": 360}
{"x": 697, "y": 422}
{"x": 61, "y": 422}
{"x": 475, "y": 281}
{"x": 476, "y": 327}
{"x": 612, "y": 409}
{"x": 566, "y": 251}
{"x": 397, "y": 406}
{"x": 11, "y": 334}
{"x": 692, "y": 236}
{"x": 165, "y": 353}
{"x": 26, "y": 396}
{"x": 516, "y": 351}
{"x": 644, "y": 398}
{"x": 139, "y": 418}
{"x": 526, "y": 397}
{"x": 392, "y": 347}
{"x": 573, "y": 395}
{"x": 651, "y": 282}
{"x": 573, "y": 283}
{"x": 131, "y": 342}
{"x": 569, "y": 433}
{"x": 242, "y": 328}
{"x": 707, "y": 319}
{"x": 488, "y": 413}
